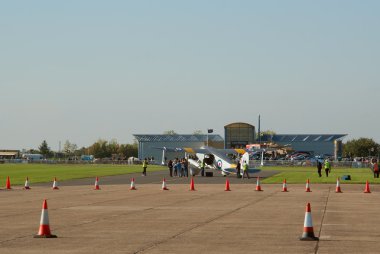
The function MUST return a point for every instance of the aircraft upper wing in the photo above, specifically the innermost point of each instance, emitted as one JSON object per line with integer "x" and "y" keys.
{"x": 201, "y": 150}
{"x": 233, "y": 151}
{"x": 183, "y": 149}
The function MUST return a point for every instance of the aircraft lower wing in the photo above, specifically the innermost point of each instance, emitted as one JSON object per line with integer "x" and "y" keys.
{"x": 232, "y": 171}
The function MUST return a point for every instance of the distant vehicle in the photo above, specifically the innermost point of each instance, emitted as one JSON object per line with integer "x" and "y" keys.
{"x": 300, "y": 157}
{"x": 87, "y": 157}
{"x": 133, "y": 160}
{"x": 32, "y": 157}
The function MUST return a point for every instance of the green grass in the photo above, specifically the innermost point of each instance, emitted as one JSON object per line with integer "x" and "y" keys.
{"x": 301, "y": 174}
{"x": 39, "y": 173}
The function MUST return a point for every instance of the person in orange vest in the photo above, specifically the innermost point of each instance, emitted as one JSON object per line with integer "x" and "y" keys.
{"x": 375, "y": 169}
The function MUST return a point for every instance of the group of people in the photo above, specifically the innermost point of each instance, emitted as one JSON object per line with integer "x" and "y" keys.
{"x": 178, "y": 167}
{"x": 327, "y": 167}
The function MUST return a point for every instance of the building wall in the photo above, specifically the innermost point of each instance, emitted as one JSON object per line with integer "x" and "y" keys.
{"x": 316, "y": 147}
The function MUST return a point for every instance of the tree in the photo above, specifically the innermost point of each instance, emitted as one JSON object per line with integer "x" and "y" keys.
{"x": 267, "y": 132}
{"x": 170, "y": 132}
{"x": 69, "y": 148}
{"x": 361, "y": 147}
{"x": 197, "y": 132}
{"x": 113, "y": 147}
{"x": 44, "y": 149}
{"x": 129, "y": 150}
{"x": 99, "y": 149}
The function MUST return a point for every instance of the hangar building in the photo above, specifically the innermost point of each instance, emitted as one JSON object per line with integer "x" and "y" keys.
{"x": 147, "y": 144}
{"x": 315, "y": 143}
{"x": 238, "y": 135}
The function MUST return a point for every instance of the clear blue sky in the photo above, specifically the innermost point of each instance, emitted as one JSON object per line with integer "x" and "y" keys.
{"x": 83, "y": 70}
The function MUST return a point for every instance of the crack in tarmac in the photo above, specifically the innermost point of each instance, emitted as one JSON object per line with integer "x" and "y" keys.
{"x": 323, "y": 217}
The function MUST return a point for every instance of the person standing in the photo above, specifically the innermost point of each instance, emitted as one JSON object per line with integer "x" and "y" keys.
{"x": 170, "y": 166}
{"x": 186, "y": 167}
{"x": 375, "y": 169}
{"x": 238, "y": 167}
{"x": 179, "y": 168}
{"x": 175, "y": 167}
{"x": 144, "y": 165}
{"x": 203, "y": 167}
{"x": 245, "y": 170}
{"x": 327, "y": 167}
{"x": 319, "y": 167}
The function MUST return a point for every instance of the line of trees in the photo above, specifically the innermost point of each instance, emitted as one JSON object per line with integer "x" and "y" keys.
{"x": 361, "y": 147}
{"x": 112, "y": 149}
{"x": 100, "y": 149}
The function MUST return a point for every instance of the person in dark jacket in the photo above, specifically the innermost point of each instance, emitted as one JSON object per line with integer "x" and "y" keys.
{"x": 238, "y": 167}
{"x": 170, "y": 166}
{"x": 319, "y": 167}
{"x": 375, "y": 169}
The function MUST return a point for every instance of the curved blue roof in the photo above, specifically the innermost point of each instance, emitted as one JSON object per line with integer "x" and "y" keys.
{"x": 178, "y": 138}
{"x": 302, "y": 137}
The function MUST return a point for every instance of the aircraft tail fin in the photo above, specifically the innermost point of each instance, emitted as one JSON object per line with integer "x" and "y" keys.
{"x": 245, "y": 157}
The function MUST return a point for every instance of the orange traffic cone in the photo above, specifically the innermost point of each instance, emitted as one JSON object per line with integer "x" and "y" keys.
{"x": 308, "y": 186}
{"x": 258, "y": 187}
{"x": 97, "y": 184}
{"x": 44, "y": 231}
{"x": 192, "y": 184}
{"x": 133, "y": 187}
{"x": 164, "y": 184}
{"x": 308, "y": 231}
{"x": 367, "y": 190}
{"x": 337, "y": 189}
{"x": 55, "y": 184}
{"x": 284, "y": 186}
{"x": 227, "y": 185}
{"x": 26, "y": 186}
{"x": 8, "y": 184}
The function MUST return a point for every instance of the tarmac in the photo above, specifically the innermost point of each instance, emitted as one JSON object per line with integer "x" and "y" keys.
{"x": 208, "y": 220}
{"x": 157, "y": 176}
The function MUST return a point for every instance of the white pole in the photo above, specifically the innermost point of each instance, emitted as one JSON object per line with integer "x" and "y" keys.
{"x": 163, "y": 157}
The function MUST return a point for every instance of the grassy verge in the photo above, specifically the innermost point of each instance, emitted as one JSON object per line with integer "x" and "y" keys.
{"x": 300, "y": 174}
{"x": 39, "y": 173}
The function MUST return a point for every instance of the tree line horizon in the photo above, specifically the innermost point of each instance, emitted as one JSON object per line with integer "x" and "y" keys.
{"x": 361, "y": 147}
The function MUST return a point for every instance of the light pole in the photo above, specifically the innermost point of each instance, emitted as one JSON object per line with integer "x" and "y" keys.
{"x": 209, "y": 131}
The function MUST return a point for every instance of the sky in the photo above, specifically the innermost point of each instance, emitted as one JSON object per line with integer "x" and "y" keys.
{"x": 80, "y": 70}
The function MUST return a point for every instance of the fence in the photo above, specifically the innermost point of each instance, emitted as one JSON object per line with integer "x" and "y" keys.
{"x": 308, "y": 163}
{"x": 252, "y": 163}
